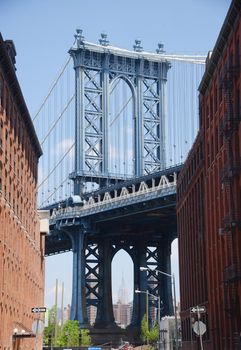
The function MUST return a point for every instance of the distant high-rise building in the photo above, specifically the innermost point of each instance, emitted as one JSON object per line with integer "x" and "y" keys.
{"x": 123, "y": 293}
{"x": 123, "y": 309}
{"x": 91, "y": 314}
{"x": 122, "y": 314}
{"x": 66, "y": 315}
{"x": 92, "y": 309}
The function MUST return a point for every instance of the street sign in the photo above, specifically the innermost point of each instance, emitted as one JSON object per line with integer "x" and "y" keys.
{"x": 199, "y": 328}
{"x": 200, "y": 309}
{"x": 38, "y": 309}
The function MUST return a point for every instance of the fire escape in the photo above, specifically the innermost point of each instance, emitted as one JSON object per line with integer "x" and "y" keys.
{"x": 229, "y": 177}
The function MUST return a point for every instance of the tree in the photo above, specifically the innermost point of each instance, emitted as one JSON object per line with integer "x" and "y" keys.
{"x": 69, "y": 335}
{"x": 85, "y": 337}
{"x": 49, "y": 331}
{"x": 144, "y": 329}
{"x": 149, "y": 335}
{"x": 72, "y": 335}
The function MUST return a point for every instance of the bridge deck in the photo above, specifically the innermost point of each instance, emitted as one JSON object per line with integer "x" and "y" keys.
{"x": 144, "y": 207}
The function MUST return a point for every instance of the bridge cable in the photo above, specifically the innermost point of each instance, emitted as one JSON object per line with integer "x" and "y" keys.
{"x": 59, "y": 162}
{"x": 53, "y": 86}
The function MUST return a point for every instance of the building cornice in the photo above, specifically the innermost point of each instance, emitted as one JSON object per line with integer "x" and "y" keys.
{"x": 228, "y": 25}
{"x": 10, "y": 75}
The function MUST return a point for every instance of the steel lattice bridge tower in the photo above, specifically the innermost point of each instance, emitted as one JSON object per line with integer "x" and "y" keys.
{"x": 99, "y": 69}
{"x": 120, "y": 145}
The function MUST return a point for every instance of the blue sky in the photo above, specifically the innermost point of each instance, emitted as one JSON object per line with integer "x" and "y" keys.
{"x": 43, "y": 30}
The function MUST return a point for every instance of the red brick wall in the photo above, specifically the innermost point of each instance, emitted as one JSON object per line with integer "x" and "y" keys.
{"x": 220, "y": 134}
{"x": 21, "y": 258}
{"x": 191, "y": 234}
{"x": 220, "y": 105}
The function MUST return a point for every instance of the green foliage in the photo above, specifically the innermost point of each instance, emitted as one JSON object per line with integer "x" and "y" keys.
{"x": 153, "y": 334}
{"x": 48, "y": 334}
{"x": 49, "y": 331}
{"x": 149, "y": 335}
{"x": 85, "y": 337}
{"x": 69, "y": 335}
{"x": 144, "y": 329}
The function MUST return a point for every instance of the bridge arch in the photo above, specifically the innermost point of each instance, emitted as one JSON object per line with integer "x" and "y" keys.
{"x": 122, "y": 286}
{"x": 127, "y": 80}
{"x": 121, "y": 126}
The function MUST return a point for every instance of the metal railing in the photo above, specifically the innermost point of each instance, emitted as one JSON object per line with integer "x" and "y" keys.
{"x": 126, "y": 196}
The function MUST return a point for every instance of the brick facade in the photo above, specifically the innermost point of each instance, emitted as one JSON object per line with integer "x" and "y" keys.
{"x": 192, "y": 258}
{"x": 209, "y": 200}
{"x": 21, "y": 245}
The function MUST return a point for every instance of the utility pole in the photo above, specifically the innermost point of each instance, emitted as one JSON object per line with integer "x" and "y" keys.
{"x": 142, "y": 268}
{"x": 56, "y": 311}
{"x": 62, "y": 306}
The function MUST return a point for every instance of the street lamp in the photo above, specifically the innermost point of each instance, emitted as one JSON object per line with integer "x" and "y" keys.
{"x": 158, "y": 310}
{"x": 142, "y": 268}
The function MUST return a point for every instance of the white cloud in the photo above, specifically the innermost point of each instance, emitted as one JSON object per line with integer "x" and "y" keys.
{"x": 63, "y": 147}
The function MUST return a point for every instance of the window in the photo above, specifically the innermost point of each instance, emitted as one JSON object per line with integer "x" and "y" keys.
{"x": 1, "y": 168}
{"x": 220, "y": 97}
{"x": 216, "y": 141}
{"x": 1, "y": 92}
{"x": 212, "y": 149}
{"x": 237, "y": 103}
{"x": 7, "y": 103}
{"x": 215, "y": 99}
{"x": 11, "y": 114}
{"x": 208, "y": 154}
{"x": 237, "y": 51}
{"x": 5, "y": 184}
{"x": 1, "y": 133}
{"x": 211, "y": 107}
{"x": 207, "y": 116}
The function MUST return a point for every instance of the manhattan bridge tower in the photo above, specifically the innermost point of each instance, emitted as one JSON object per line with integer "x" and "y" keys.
{"x": 120, "y": 112}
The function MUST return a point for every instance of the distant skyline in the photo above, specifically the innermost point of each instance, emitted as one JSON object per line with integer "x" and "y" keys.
{"x": 43, "y": 33}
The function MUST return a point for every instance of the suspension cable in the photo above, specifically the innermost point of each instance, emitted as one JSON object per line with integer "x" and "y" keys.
{"x": 56, "y": 189}
{"x": 120, "y": 111}
{"x": 61, "y": 159}
{"x": 53, "y": 86}
{"x": 57, "y": 120}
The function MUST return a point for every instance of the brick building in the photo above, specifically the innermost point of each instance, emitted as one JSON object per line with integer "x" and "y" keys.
{"x": 209, "y": 200}
{"x": 21, "y": 245}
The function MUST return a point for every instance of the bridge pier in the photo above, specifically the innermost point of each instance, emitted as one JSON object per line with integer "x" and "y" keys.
{"x": 105, "y": 316}
{"x": 165, "y": 282}
{"x": 78, "y": 304}
{"x": 140, "y": 283}
{"x": 142, "y": 256}
{"x": 144, "y": 229}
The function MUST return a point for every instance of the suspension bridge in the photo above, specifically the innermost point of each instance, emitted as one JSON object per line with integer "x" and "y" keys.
{"x": 115, "y": 131}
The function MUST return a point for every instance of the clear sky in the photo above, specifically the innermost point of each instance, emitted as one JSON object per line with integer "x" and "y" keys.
{"x": 43, "y": 30}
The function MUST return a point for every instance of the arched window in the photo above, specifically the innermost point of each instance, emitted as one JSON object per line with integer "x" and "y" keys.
{"x": 121, "y": 128}
{"x": 122, "y": 288}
